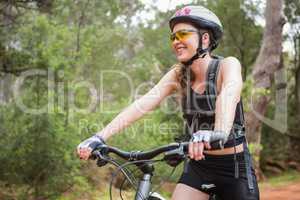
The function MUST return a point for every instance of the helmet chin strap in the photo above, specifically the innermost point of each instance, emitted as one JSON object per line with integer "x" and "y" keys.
{"x": 200, "y": 53}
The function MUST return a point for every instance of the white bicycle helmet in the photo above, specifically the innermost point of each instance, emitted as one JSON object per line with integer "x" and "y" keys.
{"x": 202, "y": 18}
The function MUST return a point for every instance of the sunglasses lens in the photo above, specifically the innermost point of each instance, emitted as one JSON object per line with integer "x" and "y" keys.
{"x": 180, "y": 35}
{"x": 183, "y": 35}
{"x": 172, "y": 37}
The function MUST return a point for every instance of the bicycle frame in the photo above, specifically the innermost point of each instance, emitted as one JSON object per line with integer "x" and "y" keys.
{"x": 144, "y": 188}
{"x": 143, "y": 191}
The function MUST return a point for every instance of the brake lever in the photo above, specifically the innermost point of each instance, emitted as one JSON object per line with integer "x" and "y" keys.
{"x": 102, "y": 161}
{"x": 178, "y": 151}
{"x": 99, "y": 154}
{"x": 175, "y": 156}
{"x": 94, "y": 155}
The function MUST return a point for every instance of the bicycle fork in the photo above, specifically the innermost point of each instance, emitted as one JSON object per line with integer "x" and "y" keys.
{"x": 144, "y": 187}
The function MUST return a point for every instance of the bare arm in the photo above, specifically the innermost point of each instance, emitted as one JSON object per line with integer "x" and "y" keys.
{"x": 231, "y": 87}
{"x": 230, "y": 90}
{"x": 143, "y": 105}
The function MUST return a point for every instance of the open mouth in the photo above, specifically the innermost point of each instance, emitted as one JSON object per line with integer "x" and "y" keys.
{"x": 180, "y": 49}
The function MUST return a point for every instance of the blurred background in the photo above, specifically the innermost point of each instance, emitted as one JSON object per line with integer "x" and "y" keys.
{"x": 67, "y": 67}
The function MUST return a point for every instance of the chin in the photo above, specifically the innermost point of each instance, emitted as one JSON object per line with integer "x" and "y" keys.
{"x": 182, "y": 58}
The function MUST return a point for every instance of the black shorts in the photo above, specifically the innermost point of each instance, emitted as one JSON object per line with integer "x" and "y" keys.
{"x": 215, "y": 175}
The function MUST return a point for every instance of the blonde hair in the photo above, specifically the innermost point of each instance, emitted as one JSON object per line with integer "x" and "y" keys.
{"x": 184, "y": 74}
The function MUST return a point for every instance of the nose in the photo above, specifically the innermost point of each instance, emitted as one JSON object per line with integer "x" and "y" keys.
{"x": 175, "y": 42}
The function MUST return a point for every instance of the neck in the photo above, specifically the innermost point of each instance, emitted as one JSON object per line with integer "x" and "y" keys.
{"x": 199, "y": 68}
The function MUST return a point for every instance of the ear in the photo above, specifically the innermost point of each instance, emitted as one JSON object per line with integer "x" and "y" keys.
{"x": 205, "y": 39}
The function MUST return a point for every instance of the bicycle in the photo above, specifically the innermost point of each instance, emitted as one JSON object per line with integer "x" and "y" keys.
{"x": 173, "y": 153}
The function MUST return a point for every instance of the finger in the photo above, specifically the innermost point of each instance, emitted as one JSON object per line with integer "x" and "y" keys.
{"x": 206, "y": 138}
{"x": 88, "y": 153}
{"x": 79, "y": 151}
{"x": 191, "y": 150}
{"x": 207, "y": 145}
{"x": 82, "y": 151}
{"x": 85, "y": 153}
{"x": 200, "y": 149}
{"x": 196, "y": 150}
{"x": 85, "y": 156}
{"x": 82, "y": 155}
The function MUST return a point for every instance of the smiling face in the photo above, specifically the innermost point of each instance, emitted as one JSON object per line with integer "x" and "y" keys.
{"x": 185, "y": 48}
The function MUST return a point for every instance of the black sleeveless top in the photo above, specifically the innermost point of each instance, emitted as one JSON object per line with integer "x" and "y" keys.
{"x": 199, "y": 114}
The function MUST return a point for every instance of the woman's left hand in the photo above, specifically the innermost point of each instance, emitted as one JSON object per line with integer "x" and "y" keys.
{"x": 196, "y": 150}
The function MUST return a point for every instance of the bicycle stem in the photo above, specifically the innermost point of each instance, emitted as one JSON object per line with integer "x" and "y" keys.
{"x": 144, "y": 187}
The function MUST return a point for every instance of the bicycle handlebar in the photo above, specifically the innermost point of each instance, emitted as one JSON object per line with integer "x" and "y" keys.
{"x": 139, "y": 155}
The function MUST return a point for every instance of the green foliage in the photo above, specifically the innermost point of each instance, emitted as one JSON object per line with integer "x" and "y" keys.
{"x": 152, "y": 131}
{"x": 241, "y": 33}
{"x": 275, "y": 144}
{"x": 93, "y": 45}
{"x": 37, "y": 151}
{"x": 292, "y": 11}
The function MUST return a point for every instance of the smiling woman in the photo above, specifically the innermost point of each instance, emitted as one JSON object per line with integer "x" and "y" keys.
{"x": 185, "y": 41}
{"x": 212, "y": 109}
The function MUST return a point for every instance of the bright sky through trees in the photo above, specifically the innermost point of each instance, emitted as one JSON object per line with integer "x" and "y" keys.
{"x": 165, "y": 5}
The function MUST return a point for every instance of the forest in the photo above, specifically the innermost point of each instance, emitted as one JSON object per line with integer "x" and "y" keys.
{"x": 68, "y": 67}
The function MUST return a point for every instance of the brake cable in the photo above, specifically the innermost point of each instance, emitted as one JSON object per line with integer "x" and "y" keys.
{"x": 124, "y": 180}
{"x": 161, "y": 182}
{"x": 121, "y": 168}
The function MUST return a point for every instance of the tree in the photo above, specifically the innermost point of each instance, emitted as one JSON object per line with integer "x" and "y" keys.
{"x": 267, "y": 62}
{"x": 292, "y": 11}
{"x": 241, "y": 33}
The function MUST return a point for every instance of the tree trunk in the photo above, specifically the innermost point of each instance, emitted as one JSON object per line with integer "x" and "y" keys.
{"x": 295, "y": 127}
{"x": 267, "y": 62}
{"x": 6, "y": 82}
{"x": 297, "y": 78}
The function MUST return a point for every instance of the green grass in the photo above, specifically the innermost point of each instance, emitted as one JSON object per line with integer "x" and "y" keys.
{"x": 283, "y": 179}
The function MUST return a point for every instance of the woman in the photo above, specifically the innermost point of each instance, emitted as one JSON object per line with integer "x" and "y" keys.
{"x": 220, "y": 162}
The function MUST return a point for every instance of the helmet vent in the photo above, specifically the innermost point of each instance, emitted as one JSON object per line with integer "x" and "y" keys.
{"x": 183, "y": 12}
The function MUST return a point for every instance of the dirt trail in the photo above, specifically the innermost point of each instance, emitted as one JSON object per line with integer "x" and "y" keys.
{"x": 287, "y": 192}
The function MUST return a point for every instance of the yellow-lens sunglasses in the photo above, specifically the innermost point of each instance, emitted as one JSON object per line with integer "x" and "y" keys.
{"x": 182, "y": 35}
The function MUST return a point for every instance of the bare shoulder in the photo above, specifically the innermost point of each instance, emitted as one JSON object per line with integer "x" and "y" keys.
{"x": 170, "y": 79}
{"x": 231, "y": 75}
{"x": 231, "y": 64}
